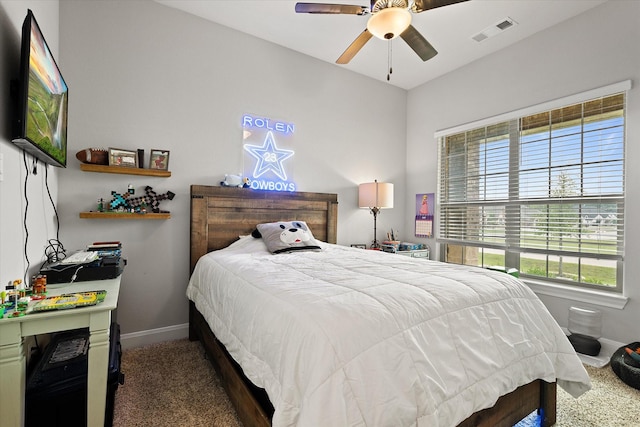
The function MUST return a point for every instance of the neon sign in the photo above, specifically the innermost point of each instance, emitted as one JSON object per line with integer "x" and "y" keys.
{"x": 264, "y": 123}
{"x": 264, "y": 164}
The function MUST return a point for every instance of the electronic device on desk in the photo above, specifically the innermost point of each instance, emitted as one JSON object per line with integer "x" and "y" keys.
{"x": 80, "y": 257}
{"x": 56, "y": 387}
{"x": 106, "y": 249}
{"x": 101, "y": 261}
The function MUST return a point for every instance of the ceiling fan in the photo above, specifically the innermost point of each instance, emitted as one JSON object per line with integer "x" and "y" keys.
{"x": 389, "y": 19}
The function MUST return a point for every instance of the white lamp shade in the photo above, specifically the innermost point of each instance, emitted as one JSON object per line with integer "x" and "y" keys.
{"x": 389, "y": 23}
{"x": 375, "y": 195}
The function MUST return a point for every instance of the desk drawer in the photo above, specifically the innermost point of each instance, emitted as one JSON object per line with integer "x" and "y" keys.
{"x": 418, "y": 253}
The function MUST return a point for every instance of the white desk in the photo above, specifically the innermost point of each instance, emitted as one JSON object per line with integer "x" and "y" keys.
{"x": 12, "y": 358}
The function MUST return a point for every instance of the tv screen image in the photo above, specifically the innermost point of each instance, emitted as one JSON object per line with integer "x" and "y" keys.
{"x": 43, "y": 99}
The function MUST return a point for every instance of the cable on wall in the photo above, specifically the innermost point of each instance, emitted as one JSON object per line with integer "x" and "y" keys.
{"x": 26, "y": 208}
{"x": 46, "y": 182}
{"x": 55, "y": 250}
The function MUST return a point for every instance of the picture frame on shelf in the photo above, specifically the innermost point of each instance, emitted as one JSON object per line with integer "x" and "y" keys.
{"x": 123, "y": 158}
{"x": 159, "y": 159}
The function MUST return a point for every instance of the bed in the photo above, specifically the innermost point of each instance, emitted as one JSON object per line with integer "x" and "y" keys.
{"x": 463, "y": 393}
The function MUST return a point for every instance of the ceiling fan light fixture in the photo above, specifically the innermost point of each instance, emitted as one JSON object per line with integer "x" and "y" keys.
{"x": 389, "y": 23}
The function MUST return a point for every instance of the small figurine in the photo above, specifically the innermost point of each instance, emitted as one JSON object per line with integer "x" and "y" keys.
{"x": 232, "y": 181}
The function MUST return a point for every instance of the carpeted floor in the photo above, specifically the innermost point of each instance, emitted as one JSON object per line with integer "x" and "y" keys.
{"x": 172, "y": 384}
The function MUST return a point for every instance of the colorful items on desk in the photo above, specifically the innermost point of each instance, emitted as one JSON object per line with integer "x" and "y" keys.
{"x": 65, "y": 301}
{"x": 16, "y": 296}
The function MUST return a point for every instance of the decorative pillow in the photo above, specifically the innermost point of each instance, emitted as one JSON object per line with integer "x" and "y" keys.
{"x": 283, "y": 237}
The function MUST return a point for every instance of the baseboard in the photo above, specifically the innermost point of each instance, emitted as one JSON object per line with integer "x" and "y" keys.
{"x": 153, "y": 336}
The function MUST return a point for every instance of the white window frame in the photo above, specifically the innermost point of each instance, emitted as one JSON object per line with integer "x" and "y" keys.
{"x": 601, "y": 297}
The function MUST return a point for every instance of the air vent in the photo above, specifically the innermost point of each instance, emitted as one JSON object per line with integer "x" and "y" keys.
{"x": 480, "y": 36}
{"x": 492, "y": 30}
{"x": 504, "y": 24}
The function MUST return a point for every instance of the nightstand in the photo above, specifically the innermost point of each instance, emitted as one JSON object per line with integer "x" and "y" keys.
{"x": 416, "y": 253}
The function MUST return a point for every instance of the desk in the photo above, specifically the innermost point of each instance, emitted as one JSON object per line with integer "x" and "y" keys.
{"x": 12, "y": 358}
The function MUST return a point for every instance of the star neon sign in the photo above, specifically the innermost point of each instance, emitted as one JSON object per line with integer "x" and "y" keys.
{"x": 269, "y": 157}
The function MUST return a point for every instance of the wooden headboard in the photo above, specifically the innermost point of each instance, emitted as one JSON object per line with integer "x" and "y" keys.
{"x": 219, "y": 215}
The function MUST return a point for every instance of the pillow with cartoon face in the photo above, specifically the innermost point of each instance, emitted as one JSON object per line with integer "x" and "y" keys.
{"x": 284, "y": 237}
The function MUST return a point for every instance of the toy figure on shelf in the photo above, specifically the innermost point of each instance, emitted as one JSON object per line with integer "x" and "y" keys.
{"x": 232, "y": 181}
{"x": 118, "y": 201}
{"x": 141, "y": 204}
{"x": 151, "y": 198}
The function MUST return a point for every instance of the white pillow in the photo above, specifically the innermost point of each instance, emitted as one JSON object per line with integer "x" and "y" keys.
{"x": 287, "y": 236}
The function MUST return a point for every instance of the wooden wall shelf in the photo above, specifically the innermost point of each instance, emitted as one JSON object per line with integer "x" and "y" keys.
{"x": 87, "y": 167}
{"x": 124, "y": 215}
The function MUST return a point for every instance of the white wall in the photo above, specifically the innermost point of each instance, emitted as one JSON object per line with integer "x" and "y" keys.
{"x": 145, "y": 76}
{"x": 40, "y": 221}
{"x": 592, "y": 50}
{"x": 142, "y": 75}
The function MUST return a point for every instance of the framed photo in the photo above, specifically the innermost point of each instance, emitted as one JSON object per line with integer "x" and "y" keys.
{"x": 123, "y": 158}
{"x": 159, "y": 159}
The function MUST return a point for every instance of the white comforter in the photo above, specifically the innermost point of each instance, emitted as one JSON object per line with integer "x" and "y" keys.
{"x": 349, "y": 337}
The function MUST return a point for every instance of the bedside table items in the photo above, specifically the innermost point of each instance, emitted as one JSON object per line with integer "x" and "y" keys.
{"x": 413, "y": 250}
{"x": 375, "y": 196}
{"x": 392, "y": 246}
{"x": 406, "y": 246}
{"x": 398, "y": 246}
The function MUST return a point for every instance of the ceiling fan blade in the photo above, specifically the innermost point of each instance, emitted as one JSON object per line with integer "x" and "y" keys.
{"x": 328, "y": 8}
{"x": 354, "y": 47}
{"x": 418, "y": 43}
{"x": 422, "y": 5}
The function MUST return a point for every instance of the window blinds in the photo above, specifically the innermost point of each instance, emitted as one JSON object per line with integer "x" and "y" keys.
{"x": 545, "y": 182}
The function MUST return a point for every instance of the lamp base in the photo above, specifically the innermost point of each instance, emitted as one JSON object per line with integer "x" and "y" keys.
{"x": 375, "y": 244}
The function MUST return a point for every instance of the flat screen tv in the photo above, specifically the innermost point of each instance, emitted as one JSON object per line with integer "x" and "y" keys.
{"x": 42, "y": 99}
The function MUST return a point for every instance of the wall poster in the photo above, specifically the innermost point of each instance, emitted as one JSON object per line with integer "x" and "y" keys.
{"x": 424, "y": 214}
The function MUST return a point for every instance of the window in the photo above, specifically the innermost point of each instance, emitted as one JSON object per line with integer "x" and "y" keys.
{"x": 542, "y": 192}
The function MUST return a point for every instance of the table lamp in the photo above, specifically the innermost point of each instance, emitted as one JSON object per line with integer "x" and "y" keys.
{"x": 375, "y": 196}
